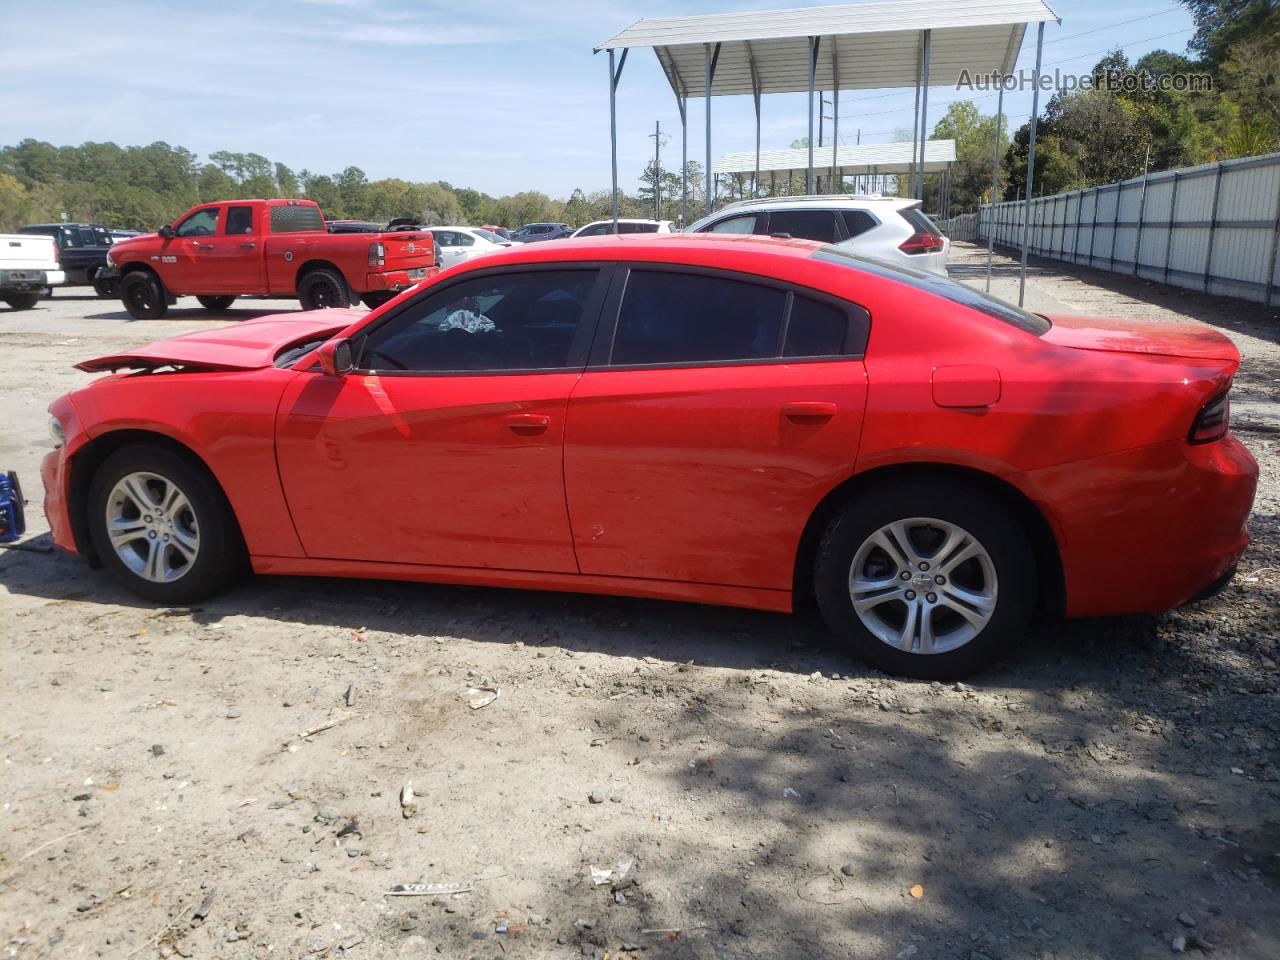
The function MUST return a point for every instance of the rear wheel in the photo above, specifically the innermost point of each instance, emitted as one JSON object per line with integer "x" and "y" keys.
{"x": 216, "y": 304}
{"x": 143, "y": 296}
{"x": 321, "y": 288}
{"x": 162, "y": 526}
{"x": 377, "y": 298}
{"x": 21, "y": 301}
{"x": 926, "y": 580}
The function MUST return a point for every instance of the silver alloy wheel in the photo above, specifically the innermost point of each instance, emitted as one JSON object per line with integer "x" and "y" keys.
{"x": 152, "y": 527}
{"x": 923, "y": 585}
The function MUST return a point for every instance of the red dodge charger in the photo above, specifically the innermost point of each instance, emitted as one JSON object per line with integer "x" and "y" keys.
{"x": 732, "y": 420}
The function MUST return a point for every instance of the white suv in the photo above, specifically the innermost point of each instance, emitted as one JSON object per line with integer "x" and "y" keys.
{"x": 887, "y": 228}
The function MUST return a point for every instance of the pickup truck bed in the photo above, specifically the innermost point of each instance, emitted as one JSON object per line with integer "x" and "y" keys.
{"x": 28, "y": 264}
{"x": 277, "y": 248}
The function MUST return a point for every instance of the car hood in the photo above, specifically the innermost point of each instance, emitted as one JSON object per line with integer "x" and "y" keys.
{"x": 1190, "y": 340}
{"x": 250, "y": 345}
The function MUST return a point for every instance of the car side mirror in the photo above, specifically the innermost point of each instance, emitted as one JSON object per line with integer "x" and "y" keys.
{"x": 335, "y": 358}
{"x": 166, "y": 231}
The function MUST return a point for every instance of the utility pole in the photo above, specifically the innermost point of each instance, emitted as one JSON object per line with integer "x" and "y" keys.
{"x": 657, "y": 169}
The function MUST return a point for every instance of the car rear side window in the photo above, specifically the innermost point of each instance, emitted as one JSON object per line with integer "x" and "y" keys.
{"x": 299, "y": 218}
{"x": 857, "y": 222}
{"x": 817, "y": 225}
{"x": 512, "y": 321}
{"x": 694, "y": 318}
{"x": 239, "y": 221}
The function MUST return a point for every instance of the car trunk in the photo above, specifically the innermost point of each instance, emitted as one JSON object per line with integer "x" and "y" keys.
{"x": 1187, "y": 340}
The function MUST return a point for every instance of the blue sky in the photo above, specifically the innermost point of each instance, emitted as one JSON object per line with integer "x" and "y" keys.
{"x": 493, "y": 95}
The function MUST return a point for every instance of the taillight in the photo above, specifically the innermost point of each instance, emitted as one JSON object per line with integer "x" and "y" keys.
{"x": 377, "y": 255}
{"x": 921, "y": 242}
{"x": 57, "y": 255}
{"x": 1213, "y": 420}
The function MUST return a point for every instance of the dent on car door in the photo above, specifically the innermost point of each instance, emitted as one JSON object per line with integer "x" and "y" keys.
{"x": 710, "y": 425}
{"x": 444, "y": 447}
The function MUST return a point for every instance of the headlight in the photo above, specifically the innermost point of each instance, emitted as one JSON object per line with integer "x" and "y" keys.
{"x": 56, "y": 432}
{"x": 110, "y": 262}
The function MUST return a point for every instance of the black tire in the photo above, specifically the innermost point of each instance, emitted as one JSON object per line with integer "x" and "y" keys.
{"x": 321, "y": 287}
{"x": 376, "y": 299}
{"x": 143, "y": 295}
{"x": 216, "y": 304}
{"x": 220, "y": 558}
{"x": 986, "y": 519}
{"x": 21, "y": 301}
{"x": 106, "y": 287}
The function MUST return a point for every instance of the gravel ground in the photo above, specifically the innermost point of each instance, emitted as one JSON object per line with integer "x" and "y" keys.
{"x": 1111, "y": 791}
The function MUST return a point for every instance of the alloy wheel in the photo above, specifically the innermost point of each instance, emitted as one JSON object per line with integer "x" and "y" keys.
{"x": 152, "y": 527}
{"x": 923, "y": 585}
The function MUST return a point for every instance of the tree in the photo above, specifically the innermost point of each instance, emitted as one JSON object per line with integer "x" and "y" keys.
{"x": 974, "y": 135}
{"x": 286, "y": 183}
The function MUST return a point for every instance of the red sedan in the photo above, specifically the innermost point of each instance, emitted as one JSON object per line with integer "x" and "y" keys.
{"x": 731, "y": 420}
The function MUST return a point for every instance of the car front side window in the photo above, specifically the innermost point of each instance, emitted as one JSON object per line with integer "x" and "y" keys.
{"x": 202, "y": 223}
{"x": 503, "y": 322}
{"x": 743, "y": 224}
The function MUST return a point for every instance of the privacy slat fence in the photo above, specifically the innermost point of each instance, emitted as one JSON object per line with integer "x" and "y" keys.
{"x": 1214, "y": 228}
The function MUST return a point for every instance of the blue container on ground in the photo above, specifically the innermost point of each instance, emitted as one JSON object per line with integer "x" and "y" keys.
{"x": 13, "y": 523}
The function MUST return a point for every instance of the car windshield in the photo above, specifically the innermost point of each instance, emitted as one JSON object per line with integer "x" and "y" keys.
{"x": 940, "y": 286}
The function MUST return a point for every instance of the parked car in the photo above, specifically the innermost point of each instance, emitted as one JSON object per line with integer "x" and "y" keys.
{"x": 729, "y": 420}
{"x": 503, "y": 232}
{"x": 29, "y": 264}
{"x": 83, "y": 248}
{"x": 537, "y": 232}
{"x": 279, "y": 248}
{"x": 351, "y": 226}
{"x": 625, "y": 225}
{"x": 888, "y": 228}
{"x": 465, "y": 243}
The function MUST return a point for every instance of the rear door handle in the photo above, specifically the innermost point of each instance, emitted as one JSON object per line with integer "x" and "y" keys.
{"x": 810, "y": 410}
{"x": 527, "y": 422}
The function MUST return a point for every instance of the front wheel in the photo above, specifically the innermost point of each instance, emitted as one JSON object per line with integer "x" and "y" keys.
{"x": 322, "y": 288}
{"x": 143, "y": 296}
{"x": 926, "y": 580}
{"x": 21, "y": 301}
{"x": 216, "y": 304}
{"x": 162, "y": 526}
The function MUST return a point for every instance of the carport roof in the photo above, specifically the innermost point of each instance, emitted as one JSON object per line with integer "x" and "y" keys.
{"x": 862, "y": 45}
{"x": 852, "y": 160}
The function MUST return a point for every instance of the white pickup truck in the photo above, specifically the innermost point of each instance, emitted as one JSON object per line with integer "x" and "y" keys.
{"x": 28, "y": 264}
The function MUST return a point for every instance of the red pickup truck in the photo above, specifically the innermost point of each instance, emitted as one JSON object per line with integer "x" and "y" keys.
{"x": 267, "y": 248}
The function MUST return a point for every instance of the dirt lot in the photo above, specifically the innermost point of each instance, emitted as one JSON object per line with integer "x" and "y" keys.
{"x": 1112, "y": 791}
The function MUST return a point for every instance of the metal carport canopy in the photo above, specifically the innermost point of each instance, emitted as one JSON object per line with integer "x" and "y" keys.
{"x": 864, "y": 45}
{"x": 890, "y": 158}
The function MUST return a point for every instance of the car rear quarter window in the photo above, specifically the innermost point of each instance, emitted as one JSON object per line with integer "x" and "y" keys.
{"x": 302, "y": 218}
{"x": 939, "y": 286}
{"x": 818, "y": 329}
{"x": 919, "y": 221}
{"x": 669, "y": 317}
{"x": 819, "y": 225}
{"x": 857, "y": 222}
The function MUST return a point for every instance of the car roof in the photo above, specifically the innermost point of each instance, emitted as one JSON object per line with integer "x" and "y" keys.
{"x": 659, "y": 247}
{"x": 626, "y": 220}
{"x": 830, "y": 200}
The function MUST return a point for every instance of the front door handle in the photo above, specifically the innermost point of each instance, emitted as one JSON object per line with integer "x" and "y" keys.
{"x": 248, "y": 246}
{"x": 810, "y": 410}
{"x": 527, "y": 422}
{"x": 203, "y": 246}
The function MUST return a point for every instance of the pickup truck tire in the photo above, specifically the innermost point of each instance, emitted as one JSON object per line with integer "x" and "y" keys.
{"x": 107, "y": 288}
{"x": 21, "y": 301}
{"x": 376, "y": 299}
{"x": 321, "y": 287}
{"x": 143, "y": 296}
{"x": 217, "y": 304}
